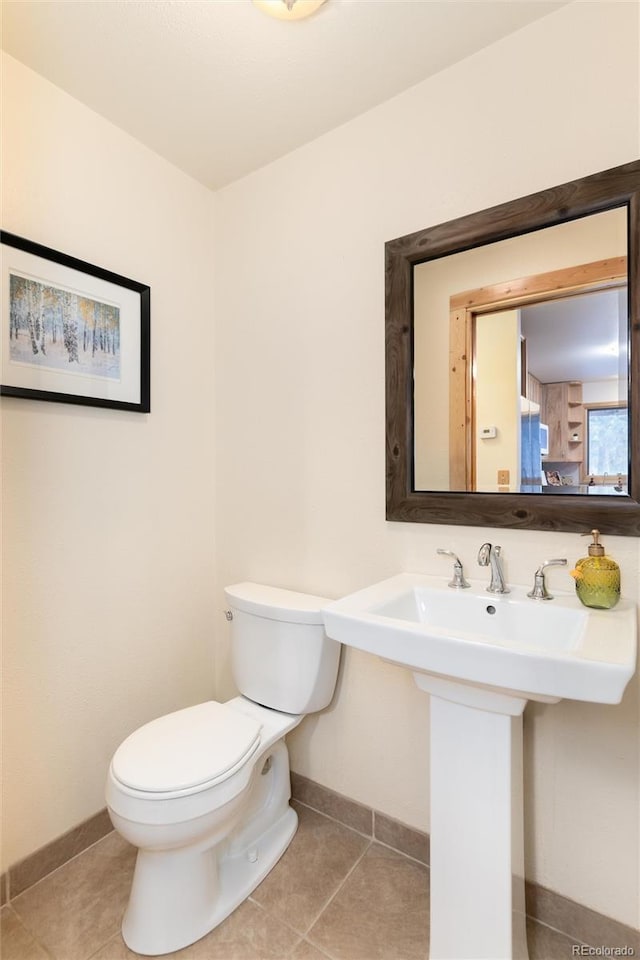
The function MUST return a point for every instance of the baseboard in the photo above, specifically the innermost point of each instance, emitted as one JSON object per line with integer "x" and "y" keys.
{"x": 544, "y": 906}
{"x": 37, "y": 865}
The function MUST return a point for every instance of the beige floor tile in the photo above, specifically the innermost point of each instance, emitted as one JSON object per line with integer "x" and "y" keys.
{"x": 320, "y": 856}
{"x": 15, "y": 942}
{"x": 547, "y": 944}
{"x": 76, "y": 909}
{"x": 248, "y": 934}
{"x": 116, "y": 949}
{"x": 381, "y": 912}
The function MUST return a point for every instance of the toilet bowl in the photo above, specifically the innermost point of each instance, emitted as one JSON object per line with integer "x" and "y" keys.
{"x": 204, "y": 792}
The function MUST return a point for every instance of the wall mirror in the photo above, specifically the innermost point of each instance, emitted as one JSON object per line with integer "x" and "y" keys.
{"x": 512, "y": 363}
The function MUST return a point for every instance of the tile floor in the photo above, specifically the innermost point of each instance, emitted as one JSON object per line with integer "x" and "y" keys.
{"x": 334, "y": 894}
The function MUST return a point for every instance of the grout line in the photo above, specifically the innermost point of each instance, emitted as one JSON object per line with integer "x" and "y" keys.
{"x": 280, "y": 919}
{"x": 320, "y": 950}
{"x": 401, "y": 853}
{"x": 397, "y": 849}
{"x": 276, "y": 916}
{"x": 48, "y": 954}
{"x": 562, "y": 933}
{"x": 103, "y": 945}
{"x": 368, "y": 836}
{"x": 267, "y": 913}
{"x": 338, "y": 889}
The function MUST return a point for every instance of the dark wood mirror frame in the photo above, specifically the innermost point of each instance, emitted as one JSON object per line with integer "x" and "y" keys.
{"x": 618, "y": 187}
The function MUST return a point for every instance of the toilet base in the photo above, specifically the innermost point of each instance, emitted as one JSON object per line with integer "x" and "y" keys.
{"x": 177, "y": 901}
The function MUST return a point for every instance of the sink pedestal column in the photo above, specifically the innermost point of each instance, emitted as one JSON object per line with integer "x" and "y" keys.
{"x": 477, "y": 850}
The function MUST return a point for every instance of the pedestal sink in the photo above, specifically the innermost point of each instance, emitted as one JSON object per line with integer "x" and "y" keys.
{"x": 481, "y": 656}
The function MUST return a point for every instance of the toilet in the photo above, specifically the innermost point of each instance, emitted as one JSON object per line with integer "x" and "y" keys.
{"x": 204, "y": 792}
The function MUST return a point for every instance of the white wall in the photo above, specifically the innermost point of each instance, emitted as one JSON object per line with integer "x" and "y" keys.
{"x": 108, "y": 516}
{"x": 300, "y": 412}
{"x": 604, "y": 391}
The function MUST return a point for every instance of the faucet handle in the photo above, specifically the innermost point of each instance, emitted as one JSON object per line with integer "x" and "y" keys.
{"x": 539, "y": 590}
{"x": 458, "y": 582}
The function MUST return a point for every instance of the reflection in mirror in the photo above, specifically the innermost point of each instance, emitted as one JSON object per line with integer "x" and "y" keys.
{"x": 576, "y": 385}
{"x": 461, "y": 293}
{"x": 532, "y": 337}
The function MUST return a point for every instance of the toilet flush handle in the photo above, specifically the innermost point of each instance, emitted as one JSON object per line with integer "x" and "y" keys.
{"x": 228, "y": 614}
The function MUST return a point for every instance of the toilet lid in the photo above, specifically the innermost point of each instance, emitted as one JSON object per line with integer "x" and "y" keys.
{"x": 185, "y": 749}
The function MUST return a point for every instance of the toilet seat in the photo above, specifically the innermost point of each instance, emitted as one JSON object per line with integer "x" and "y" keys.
{"x": 187, "y": 751}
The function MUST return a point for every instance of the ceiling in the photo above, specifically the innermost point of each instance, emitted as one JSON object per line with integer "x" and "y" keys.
{"x": 578, "y": 338}
{"x": 220, "y": 89}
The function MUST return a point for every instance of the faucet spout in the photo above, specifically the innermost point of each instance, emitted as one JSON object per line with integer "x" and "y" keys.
{"x": 489, "y": 555}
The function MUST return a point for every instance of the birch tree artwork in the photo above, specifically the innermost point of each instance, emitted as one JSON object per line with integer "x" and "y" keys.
{"x": 54, "y": 328}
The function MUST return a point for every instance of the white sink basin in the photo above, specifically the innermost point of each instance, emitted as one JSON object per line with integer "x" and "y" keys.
{"x": 541, "y": 650}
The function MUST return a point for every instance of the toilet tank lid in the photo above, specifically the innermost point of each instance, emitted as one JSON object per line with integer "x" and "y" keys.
{"x": 276, "y": 603}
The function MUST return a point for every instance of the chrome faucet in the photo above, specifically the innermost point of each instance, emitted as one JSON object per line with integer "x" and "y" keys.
{"x": 539, "y": 591}
{"x": 458, "y": 582}
{"x": 488, "y": 555}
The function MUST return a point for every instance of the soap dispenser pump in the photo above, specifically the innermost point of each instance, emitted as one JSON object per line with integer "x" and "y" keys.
{"x": 597, "y": 576}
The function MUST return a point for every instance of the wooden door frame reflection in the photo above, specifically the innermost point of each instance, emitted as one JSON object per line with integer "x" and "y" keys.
{"x": 463, "y": 309}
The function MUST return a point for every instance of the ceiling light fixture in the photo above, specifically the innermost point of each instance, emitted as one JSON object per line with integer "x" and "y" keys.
{"x": 289, "y": 9}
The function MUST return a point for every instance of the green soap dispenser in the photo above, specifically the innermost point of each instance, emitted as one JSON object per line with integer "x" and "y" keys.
{"x": 597, "y": 576}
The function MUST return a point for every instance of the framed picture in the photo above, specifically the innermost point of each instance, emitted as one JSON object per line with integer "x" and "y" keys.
{"x": 71, "y": 332}
{"x": 553, "y": 478}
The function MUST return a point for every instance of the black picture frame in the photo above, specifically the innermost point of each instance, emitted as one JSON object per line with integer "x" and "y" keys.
{"x": 72, "y": 332}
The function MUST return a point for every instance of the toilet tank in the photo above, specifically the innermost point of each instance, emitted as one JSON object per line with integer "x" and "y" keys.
{"x": 280, "y": 654}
